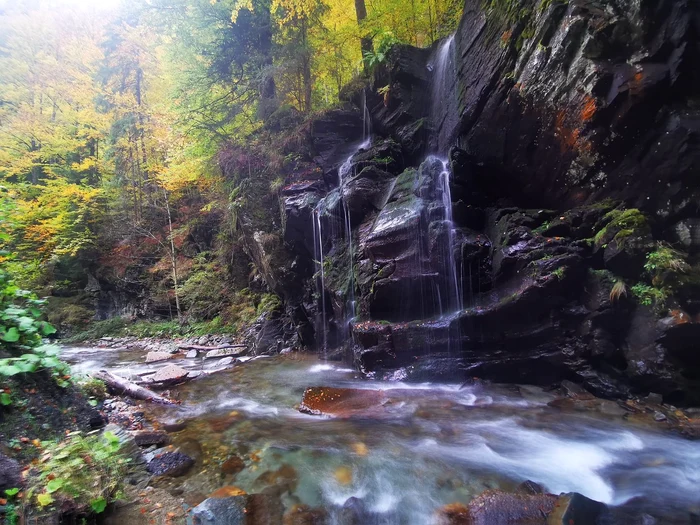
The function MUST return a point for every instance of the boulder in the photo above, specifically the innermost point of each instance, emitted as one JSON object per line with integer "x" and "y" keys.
{"x": 146, "y": 438}
{"x": 168, "y": 463}
{"x": 494, "y": 506}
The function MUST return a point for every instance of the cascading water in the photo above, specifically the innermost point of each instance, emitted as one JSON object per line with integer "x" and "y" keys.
{"x": 443, "y": 107}
{"x": 345, "y": 225}
{"x": 321, "y": 323}
{"x": 454, "y": 299}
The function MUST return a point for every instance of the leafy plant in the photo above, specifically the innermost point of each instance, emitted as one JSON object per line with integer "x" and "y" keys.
{"x": 83, "y": 470}
{"x": 12, "y": 506}
{"x": 663, "y": 263}
{"x": 385, "y": 42}
{"x": 21, "y": 331}
{"x": 650, "y": 295}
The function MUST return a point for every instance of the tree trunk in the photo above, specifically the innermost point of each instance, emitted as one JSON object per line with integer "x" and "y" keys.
{"x": 121, "y": 386}
{"x": 365, "y": 41}
{"x": 173, "y": 257}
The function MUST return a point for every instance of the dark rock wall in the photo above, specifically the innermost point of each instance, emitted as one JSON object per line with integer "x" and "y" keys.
{"x": 578, "y": 156}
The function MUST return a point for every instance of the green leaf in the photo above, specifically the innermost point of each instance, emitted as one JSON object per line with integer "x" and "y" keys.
{"x": 25, "y": 323}
{"x": 9, "y": 370}
{"x": 12, "y": 492}
{"x": 11, "y": 336}
{"x": 5, "y": 399}
{"x": 47, "y": 329}
{"x": 44, "y": 499}
{"x": 54, "y": 485}
{"x": 98, "y": 505}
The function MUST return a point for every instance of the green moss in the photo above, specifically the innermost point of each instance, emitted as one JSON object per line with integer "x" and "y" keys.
{"x": 620, "y": 225}
{"x": 559, "y": 273}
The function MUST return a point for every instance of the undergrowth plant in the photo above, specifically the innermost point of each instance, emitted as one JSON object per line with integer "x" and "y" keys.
{"x": 82, "y": 473}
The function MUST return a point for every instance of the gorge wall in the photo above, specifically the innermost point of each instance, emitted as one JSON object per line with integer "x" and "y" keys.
{"x": 552, "y": 234}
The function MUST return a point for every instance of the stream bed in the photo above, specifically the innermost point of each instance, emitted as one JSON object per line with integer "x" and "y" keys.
{"x": 443, "y": 444}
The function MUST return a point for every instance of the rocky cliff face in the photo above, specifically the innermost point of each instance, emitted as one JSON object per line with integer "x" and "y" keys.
{"x": 562, "y": 241}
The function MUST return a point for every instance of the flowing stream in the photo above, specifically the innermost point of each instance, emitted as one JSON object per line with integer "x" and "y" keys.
{"x": 439, "y": 444}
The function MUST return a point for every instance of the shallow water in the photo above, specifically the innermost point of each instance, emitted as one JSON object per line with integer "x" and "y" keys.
{"x": 439, "y": 444}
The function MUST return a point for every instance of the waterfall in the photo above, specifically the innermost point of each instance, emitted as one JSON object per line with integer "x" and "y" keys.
{"x": 454, "y": 301}
{"x": 322, "y": 323}
{"x": 443, "y": 103}
{"x": 344, "y": 173}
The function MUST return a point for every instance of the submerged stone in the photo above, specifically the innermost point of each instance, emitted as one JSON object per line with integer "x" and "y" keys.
{"x": 340, "y": 402}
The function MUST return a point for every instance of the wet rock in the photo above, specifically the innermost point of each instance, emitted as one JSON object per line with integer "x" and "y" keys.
{"x": 576, "y": 508}
{"x": 223, "y": 423}
{"x": 154, "y": 357}
{"x": 501, "y": 507}
{"x": 232, "y": 465}
{"x": 305, "y": 515}
{"x": 238, "y": 510}
{"x": 356, "y": 512}
{"x": 286, "y": 476}
{"x": 172, "y": 464}
{"x": 175, "y": 426}
{"x": 453, "y": 514}
{"x": 225, "y": 352}
{"x": 10, "y": 474}
{"x": 191, "y": 354}
{"x": 145, "y": 438}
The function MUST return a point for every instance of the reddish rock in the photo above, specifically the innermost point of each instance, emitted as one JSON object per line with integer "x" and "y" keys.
{"x": 453, "y": 514}
{"x": 227, "y": 492}
{"x": 305, "y": 515}
{"x": 342, "y": 402}
{"x": 494, "y": 506}
{"x": 232, "y": 465}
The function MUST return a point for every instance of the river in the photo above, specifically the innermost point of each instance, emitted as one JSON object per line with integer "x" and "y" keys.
{"x": 443, "y": 443}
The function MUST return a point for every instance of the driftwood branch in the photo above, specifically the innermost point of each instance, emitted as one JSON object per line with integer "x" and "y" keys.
{"x": 119, "y": 385}
{"x": 200, "y": 347}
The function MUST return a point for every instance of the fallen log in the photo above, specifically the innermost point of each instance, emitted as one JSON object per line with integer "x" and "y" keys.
{"x": 200, "y": 347}
{"x": 120, "y": 385}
